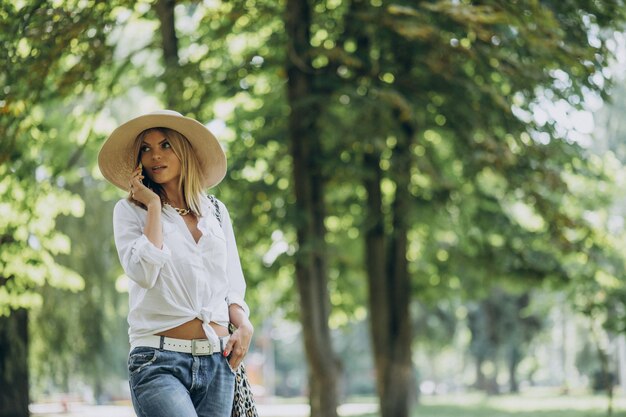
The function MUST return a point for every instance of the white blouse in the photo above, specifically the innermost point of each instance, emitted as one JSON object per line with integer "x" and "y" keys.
{"x": 183, "y": 280}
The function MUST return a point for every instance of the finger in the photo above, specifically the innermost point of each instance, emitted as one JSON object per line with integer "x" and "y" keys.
{"x": 136, "y": 182}
{"x": 234, "y": 363}
{"x": 229, "y": 346}
{"x": 236, "y": 358}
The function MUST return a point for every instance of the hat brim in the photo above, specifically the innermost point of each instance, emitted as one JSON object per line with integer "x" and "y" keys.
{"x": 117, "y": 161}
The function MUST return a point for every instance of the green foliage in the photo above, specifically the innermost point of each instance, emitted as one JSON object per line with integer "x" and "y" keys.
{"x": 53, "y": 49}
{"x": 53, "y": 84}
{"x": 30, "y": 240}
{"x": 83, "y": 337}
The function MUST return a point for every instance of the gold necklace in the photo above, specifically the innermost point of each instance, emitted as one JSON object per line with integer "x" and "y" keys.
{"x": 182, "y": 212}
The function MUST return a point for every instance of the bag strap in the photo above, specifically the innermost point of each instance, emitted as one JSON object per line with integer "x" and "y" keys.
{"x": 216, "y": 204}
{"x": 218, "y": 215}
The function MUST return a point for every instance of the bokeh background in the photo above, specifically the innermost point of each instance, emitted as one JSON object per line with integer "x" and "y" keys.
{"x": 428, "y": 198}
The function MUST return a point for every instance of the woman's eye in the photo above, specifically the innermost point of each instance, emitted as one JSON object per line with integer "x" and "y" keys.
{"x": 145, "y": 148}
{"x": 166, "y": 145}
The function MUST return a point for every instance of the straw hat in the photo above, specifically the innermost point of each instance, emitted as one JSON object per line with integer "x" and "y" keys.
{"x": 117, "y": 162}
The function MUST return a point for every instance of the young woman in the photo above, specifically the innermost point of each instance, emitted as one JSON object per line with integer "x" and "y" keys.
{"x": 178, "y": 248}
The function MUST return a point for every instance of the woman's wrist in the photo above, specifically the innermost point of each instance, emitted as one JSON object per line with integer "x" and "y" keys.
{"x": 246, "y": 325}
{"x": 238, "y": 316}
{"x": 154, "y": 203}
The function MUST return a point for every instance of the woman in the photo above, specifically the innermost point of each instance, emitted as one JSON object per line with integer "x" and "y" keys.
{"x": 178, "y": 248}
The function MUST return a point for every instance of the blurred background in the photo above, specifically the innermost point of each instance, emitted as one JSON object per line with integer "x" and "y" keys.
{"x": 428, "y": 198}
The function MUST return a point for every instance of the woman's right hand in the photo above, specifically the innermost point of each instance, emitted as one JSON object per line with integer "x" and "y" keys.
{"x": 140, "y": 192}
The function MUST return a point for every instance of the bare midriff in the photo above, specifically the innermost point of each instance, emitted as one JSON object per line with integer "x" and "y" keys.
{"x": 193, "y": 330}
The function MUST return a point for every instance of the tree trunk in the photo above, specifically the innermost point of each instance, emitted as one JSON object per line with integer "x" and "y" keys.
{"x": 171, "y": 77}
{"x": 379, "y": 292}
{"x": 607, "y": 382}
{"x": 493, "y": 317}
{"x": 481, "y": 380}
{"x": 389, "y": 294}
{"x": 311, "y": 269}
{"x": 389, "y": 284}
{"x": 514, "y": 360}
{"x": 396, "y": 402}
{"x": 14, "y": 397}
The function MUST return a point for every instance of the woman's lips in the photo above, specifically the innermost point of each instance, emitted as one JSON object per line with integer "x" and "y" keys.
{"x": 158, "y": 169}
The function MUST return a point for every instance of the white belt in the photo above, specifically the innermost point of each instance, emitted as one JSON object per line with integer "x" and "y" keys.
{"x": 197, "y": 347}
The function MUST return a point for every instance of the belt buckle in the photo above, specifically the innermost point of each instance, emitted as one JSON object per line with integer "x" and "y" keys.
{"x": 194, "y": 347}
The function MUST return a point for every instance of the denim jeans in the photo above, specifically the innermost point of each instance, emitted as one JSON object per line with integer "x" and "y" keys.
{"x": 165, "y": 384}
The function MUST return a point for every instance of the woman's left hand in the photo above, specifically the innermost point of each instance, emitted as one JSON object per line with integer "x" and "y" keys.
{"x": 238, "y": 344}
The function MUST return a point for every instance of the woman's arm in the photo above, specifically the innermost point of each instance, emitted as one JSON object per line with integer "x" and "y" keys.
{"x": 141, "y": 250}
{"x": 238, "y": 311}
{"x": 239, "y": 341}
{"x": 151, "y": 200}
{"x": 153, "y": 228}
{"x": 141, "y": 259}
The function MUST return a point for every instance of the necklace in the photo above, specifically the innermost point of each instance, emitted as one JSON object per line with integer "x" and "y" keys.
{"x": 182, "y": 212}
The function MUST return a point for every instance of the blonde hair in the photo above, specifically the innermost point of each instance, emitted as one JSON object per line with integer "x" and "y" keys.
{"x": 190, "y": 176}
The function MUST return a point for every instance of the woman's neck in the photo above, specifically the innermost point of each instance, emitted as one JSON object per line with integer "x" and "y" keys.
{"x": 174, "y": 196}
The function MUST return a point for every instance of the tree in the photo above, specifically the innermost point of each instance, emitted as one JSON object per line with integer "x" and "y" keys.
{"x": 442, "y": 96}
{"x": 502, "y": 329}
{"x": 50, "y": 52}
{"x": 311, "y": 266}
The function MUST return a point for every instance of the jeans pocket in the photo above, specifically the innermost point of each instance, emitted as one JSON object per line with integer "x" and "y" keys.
{"x": 140, "y": 357}
{"x": 227, "y": 359}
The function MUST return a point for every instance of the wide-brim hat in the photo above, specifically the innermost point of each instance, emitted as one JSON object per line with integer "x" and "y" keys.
{"x": 117, "y": 160}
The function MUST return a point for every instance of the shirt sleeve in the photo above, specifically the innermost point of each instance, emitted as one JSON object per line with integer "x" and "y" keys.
{"x": 234, "y": 272}
{"x": 140, "y": 259}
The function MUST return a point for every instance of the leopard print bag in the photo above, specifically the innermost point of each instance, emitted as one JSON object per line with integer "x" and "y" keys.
{"x": 243, "y": 403}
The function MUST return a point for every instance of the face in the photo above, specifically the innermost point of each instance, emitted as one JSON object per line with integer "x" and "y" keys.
{"x": 159, "y": 161}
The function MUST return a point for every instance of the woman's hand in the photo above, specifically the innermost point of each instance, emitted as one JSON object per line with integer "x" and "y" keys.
{"x": 239, "y": 343}
{"x": 139, "y": 191}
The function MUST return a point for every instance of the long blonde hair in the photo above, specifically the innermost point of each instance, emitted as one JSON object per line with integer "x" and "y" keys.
{"x": 189, "y": 182}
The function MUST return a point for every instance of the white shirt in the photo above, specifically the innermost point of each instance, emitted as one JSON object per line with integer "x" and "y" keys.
{"x": 183, "y": 280}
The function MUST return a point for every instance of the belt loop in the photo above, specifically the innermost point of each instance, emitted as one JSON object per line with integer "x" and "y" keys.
{"x": 161, "y": 342}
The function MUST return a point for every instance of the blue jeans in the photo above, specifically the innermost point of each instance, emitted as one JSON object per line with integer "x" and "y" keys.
{"x": 165, "y": 384}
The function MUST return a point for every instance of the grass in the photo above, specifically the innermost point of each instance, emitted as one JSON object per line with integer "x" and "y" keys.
{"x": 535, "y": 404}
{"x": 525, "y": 405}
